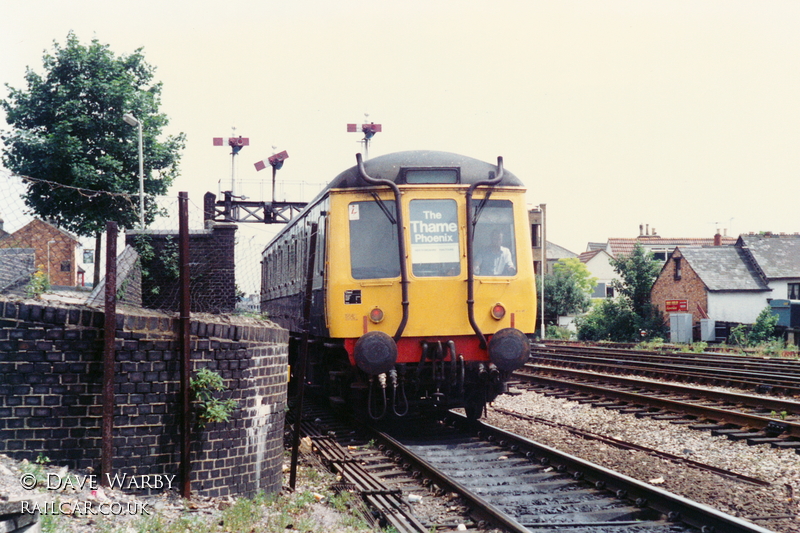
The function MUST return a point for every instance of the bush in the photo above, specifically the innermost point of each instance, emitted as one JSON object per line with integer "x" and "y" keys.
{"x": 612, "y": 320}
{"x": 615, "y": 320}
{"x": 762, "y": 332}
{"x": 764, "y": 328}
{"x": 558, "y": 333}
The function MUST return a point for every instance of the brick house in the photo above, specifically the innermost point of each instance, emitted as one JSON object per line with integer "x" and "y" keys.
{"x": 54, "y": 249}
{"x": 730, "y": 283}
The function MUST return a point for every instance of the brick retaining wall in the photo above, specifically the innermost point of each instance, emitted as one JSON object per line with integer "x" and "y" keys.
{"x": 50, "y": 394}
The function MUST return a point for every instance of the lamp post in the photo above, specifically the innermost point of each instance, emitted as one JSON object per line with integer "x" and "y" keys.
{"x": 48, "y": 259}
{"x": 133, "y": 121}
{"x": 543, "y": 208}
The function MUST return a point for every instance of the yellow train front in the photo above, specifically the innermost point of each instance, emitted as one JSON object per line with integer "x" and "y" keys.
{"x": 423, "y": 289}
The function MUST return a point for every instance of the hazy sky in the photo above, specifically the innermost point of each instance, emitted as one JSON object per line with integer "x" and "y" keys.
{"x": 684, "y": 115}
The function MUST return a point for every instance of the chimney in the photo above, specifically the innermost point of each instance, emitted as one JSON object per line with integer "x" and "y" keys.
{"x": 647, "y": 229}
{"x": 717, "y": 239}
{"x": 641, "y": 228}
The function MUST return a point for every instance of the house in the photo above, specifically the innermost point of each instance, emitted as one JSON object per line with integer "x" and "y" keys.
{"x": 598, "y": 262}
{"x": 53, "y": 248}
{"x": 661, "y": 248}
{"x": 730, "y": 283}
{"x": 554, "y": 253}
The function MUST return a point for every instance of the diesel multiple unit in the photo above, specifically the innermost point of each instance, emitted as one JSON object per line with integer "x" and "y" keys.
{"x": 423, "y": 290}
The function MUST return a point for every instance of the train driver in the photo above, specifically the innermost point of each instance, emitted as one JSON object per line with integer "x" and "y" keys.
{"x": 495, "y": 259}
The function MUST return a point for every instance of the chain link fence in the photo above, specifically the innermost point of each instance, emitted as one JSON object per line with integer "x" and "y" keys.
{"x": 39, "y": 259}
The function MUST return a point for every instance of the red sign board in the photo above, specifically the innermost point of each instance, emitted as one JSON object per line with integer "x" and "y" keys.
{"x": 677, "y": 306}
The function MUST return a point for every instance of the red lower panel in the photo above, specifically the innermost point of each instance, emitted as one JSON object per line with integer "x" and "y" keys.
{"x": 409, "y": 349}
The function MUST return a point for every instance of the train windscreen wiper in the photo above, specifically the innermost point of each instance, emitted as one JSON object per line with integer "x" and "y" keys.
{"x": 479, "y": 209}
{"x": 384, "y": 208}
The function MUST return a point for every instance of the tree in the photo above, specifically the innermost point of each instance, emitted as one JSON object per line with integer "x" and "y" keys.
{"x": 632, "y": 313}
{"x": 578, "y": 271}
{"x": 567, "y": 290}
{"x": 69, "y": 137}
{"x": 638, "y": 272}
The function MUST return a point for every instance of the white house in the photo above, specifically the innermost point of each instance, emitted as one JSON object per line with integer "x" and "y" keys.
{"x": 598, "y": 262}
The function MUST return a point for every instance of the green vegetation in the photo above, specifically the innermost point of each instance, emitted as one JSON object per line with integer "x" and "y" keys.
{"x": 631, "y": 316}
{"x": 210, "y": 408}
{"x": 274, "y": 513}
{"x": 566, "y": 291}
{"x": 559, "y": 333}
{"x": 67, "y": 134}
{"x": 38, "y": 284}
{"x": 762, "y": 334}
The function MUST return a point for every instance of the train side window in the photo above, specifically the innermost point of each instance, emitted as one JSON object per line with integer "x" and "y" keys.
{"x": 495, "y": 249}
{"x": 435, "y": 247}
{"x": 373, "y": 240}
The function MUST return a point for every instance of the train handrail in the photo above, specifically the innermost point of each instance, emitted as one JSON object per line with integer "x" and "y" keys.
{"x": 491, "y": 182}
{"x": 401, "y": 242}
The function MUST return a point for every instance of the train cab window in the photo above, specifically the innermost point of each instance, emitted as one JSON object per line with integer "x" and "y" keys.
{"x": 434, "y": 238}
{"x": 495, "y": 250}
{"x": 373, "y": 240}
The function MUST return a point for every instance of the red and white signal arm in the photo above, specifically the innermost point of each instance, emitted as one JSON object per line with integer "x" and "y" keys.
{"x": 273, "y": 160}
{"x": 232, "y": 141}
{"x": 373, "y": 128}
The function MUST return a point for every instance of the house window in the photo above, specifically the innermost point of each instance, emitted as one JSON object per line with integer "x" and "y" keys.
{"x": 599, "y": 290}
{"x": 794, "y": 291}
{"x": 677, "y": 268}
{"x": 659, "y": 254}
{"x": 609, "y": 291}
{"x": 66, "y": 266}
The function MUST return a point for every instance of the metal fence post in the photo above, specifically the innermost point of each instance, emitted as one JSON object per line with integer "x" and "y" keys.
{"x": 186, "y": 362}
{"x": 109, "y": 353}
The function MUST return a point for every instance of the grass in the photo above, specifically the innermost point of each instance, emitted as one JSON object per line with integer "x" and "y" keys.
{"x": 297, "y": 511}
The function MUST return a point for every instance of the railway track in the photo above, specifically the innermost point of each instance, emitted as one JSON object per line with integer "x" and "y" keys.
{"x": 768, "y": 376}
{"x": 757, "y": 419}
{"x": 503, "y": 479}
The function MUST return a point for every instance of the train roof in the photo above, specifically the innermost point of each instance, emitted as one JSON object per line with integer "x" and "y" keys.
{"x": 394, "y": 167}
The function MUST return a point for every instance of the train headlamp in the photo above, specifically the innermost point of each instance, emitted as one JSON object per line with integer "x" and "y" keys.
{"x": 376, "y": 315}
{"x": 498, "y": 311}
